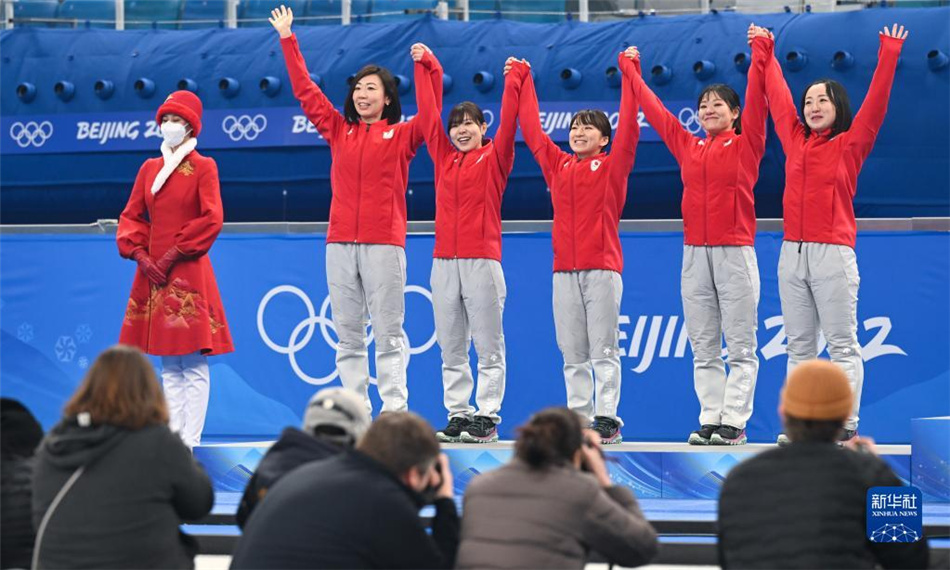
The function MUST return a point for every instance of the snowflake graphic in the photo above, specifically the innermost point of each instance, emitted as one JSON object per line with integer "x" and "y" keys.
{"x": 83, "y": 362}
{"x": 894, "y": 533}
{"x": 83, "y": 334}
{"x": 65, "y": 349}
{"x": 25, "y": 332}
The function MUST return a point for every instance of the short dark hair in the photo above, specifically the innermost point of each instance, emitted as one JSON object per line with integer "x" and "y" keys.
{"x": 800, "y": 430}
{"x": 400, "y": 441}
{"x": 391, "y": 112}
{"x": 551, "y": 437}
{"x": 465, "y": 109}
{"x": 595, "y": 118}
{"x": 729, "y": 96}
{"x": 839, "y": 98}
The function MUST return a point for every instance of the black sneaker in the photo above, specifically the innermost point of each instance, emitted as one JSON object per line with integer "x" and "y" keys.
{"x": 481, "y": 430}
{"x": 608, "y": 429}
{"x": 702, "y": 435}
{"x": 452, "y": 433}
{"x": 728, "y": 435}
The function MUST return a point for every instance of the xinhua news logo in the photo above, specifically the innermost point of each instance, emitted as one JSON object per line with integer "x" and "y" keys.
{"x": 895, "y": 514}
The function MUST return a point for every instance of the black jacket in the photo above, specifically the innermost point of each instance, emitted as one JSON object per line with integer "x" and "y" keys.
{"x": 124, "y": 509}
{"x": 346, "y": 512}
{"x": 803, "y": 506}
{"x": 293, "y": 449}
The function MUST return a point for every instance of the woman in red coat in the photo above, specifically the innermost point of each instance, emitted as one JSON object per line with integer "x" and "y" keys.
{"x": 167, "y": 227}
{"x": 817, "y": 268}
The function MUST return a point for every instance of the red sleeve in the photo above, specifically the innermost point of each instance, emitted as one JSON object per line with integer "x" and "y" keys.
{"x": 428, "y": 119}
{"x": 417, "y": 132}
{"x": 134, "y": 229}
{"x": 784, "y": 114}
{"x": 869, "y": 119}
{"x": 755, "y": 114}
{"x": 667, "y": 126}
{"x": 505, "y": 135}
{"x": 312, "y": 100}
{"x": 542, "y": 147}
{"x": 623, "y": 151}
{"x": 197, "y": 235}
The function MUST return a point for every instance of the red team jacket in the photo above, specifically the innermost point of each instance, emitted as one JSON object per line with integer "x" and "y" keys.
{"x": 719, "y": 173}
{"x": 821, "y": 173}
{"x": 370, "y": 163}
{"x": 185, "y": 315}
{"x": 469, "y": 186}
{"x": 588, "y": 195}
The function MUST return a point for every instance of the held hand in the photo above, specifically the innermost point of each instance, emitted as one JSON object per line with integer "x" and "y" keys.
{"x": 593, "y": 458}
{"x": 281, "y": 18}
{"x": 147, "y": 267}
{"x": 446, "y": 489}
{"x": 632, "y": 53}
{"x": 417, "y": 51}
{"x": 508, "y": 63}
{"x": 758, "y": 32}
{"x": 900, "y": 33}
{"x": 164, "y": 264}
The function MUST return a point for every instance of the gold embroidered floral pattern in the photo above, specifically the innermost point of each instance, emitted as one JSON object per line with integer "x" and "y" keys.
{"x": 178, "y": 305}
{"x": 186, "y": 168}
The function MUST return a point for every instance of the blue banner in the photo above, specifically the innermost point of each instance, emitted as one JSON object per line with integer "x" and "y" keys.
{"x": 62, "y": 300}
{"x": 250, "y": 128}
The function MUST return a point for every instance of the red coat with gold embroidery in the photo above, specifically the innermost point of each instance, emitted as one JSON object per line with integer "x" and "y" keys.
{"x": 185, "y": 315}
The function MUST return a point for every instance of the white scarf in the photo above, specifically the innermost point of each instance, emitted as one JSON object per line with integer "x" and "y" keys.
{"x": 172, "y": 160}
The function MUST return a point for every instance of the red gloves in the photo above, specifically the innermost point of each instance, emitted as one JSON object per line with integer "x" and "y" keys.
{"x": 165, "y": 262}
{"x": 157, "y": 271}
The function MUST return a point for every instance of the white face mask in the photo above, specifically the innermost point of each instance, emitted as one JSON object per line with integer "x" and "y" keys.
{"x": 173, "y": 133}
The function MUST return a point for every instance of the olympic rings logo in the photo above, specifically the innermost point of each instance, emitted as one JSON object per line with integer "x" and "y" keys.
{"x": 31, "y": 133}
{"x": 690, "y": 120}
{"x": 489, "y": 116}
{"x": 306, "y": 327}
{"x": 244, "y": 127}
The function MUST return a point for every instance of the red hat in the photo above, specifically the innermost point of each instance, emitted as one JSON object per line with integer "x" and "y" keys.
{"x": 186, "y": 105}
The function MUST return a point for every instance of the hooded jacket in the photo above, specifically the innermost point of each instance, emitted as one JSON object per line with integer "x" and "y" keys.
{"x": 124, "y": 508}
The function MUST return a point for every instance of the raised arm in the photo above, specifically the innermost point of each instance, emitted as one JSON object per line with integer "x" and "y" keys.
{"x": 667, "y": 126}
{"x": 508, "y": 121}
{"x": 434, "y": 68}
{"x": 542, "y": 147}
{"x": 784, "y": 114}
{"x": 312, "y": 99}
{"x": 870, "y": 117}
{"x": 755, "y": 113}
{"x": 428, "y": 118}
{"x": 624, "y": 148}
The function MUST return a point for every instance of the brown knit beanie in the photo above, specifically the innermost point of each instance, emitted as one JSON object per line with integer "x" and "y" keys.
{"x": 817, "y": 390}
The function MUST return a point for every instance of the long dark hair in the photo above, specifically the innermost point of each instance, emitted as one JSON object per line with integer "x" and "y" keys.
{"x": 391, "y": 112}
{"x": 551, "y": 437}
{"x": 839, "y": 98}
{"x": 729, "y": 96}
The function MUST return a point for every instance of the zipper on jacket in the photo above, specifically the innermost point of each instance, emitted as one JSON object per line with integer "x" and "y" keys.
{"x": 573, "y": 220}
{"x": 706, "y": 192}
{"x": 801, "y": 212}
{"x": 458, "y": 173}
{"x": 359, "y": 186}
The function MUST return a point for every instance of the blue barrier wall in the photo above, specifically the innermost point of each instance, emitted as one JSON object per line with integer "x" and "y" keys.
{"x": 63, "y": 297}
{"x": 907, "y": 174}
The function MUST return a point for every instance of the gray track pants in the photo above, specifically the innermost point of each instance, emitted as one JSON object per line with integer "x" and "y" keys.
{"x": 361, "y": 277}
{"x": 468, "y": 299}
{"x": 818, "y": 285}
{"x": 720, "y": 288}
{"x": 586, "y": 320}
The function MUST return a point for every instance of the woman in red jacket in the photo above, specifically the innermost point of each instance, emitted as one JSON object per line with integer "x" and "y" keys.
{"x": 366, "y": 239}
{"x": 468, "y": 285}
{"x": 817, "y": 269}
{"x": 170, "y": 222}
{"x": 588, "y": 191}
{"x": 720, "y": 277}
